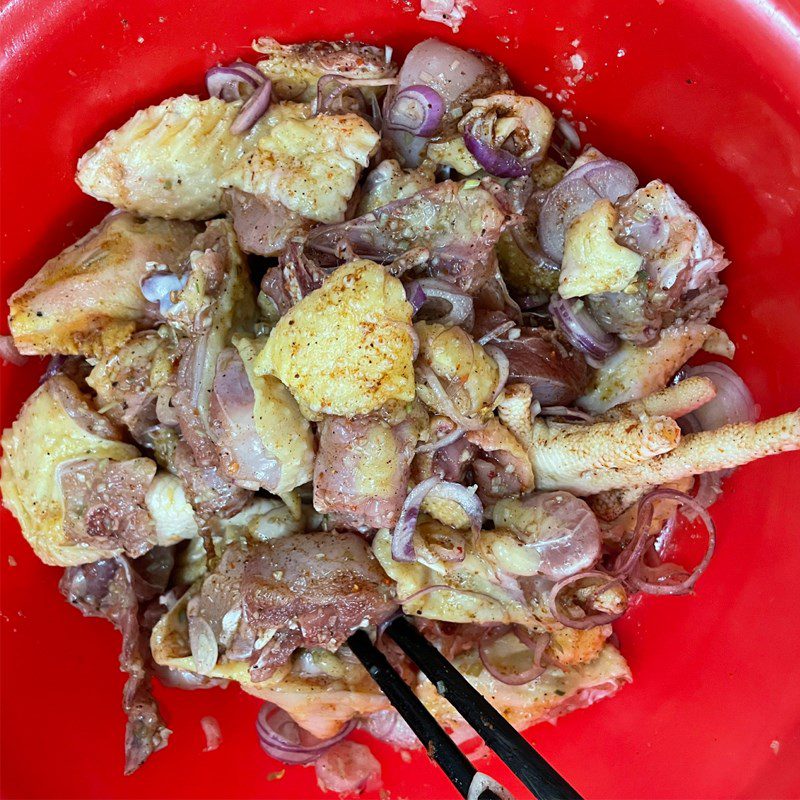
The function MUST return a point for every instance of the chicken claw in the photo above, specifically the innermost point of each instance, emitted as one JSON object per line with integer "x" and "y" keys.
{"x": 571, "y": 456}
{"x": 708, "y": 451}
{"x": 674, "y": 401}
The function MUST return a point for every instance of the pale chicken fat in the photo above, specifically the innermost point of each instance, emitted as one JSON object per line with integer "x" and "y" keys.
{"x": 346, "y": 348}
{"x": 172, "y": 515}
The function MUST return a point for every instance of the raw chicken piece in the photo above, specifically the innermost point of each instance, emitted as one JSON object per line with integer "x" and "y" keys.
{"x": 566, "y": 456}
{"x": 104, "y": 504}
{"x": 362, "y": 469}
{"x": 558, "y": 691}
{"x": 264, "y": 227}
{"x": 265, "y": 600}
{"x": 502, "y": 467}
{"x": 264, "y": 441}
{"x": 295, "y": 68}
{"x": 556, "y": 372}
{"x": 345, "y": 349}
{"x": 678, "y": 248}
{"x": 131, "y": 380}
{"x": 389, "y": 182}
{"x": 117, "y": 590}
{"x": 708, "y": 451}
{"x": 88, "y": 300}
{"x": 679, "y": 281}
{"x": 448, "y": 357}
{"x": 458, "y": 224}
{"x": 310, "y": 166}
{"x": 168, "y": 160}
{"x": 295, "y": 276}
{"x": 79, "y": 493}
{"x": 634, "y": 372}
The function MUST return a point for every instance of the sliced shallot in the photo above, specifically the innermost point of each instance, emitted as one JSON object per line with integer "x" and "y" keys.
{"x": 482, "y": 782}
{"x": 573, "y": 319}
{"x": 212, "y": 733}
{"x": 9, "y": 352}
{"x": 417, "y": 109}
{"x": 226, "y": 82}
{"x": 403, "y": 536}
{"x": 333, "y": 92}
{"x": 536, "y": 645}
{"x": 658, "y": 577}
{"x": 416, "y": 296}
{"x": 592, "y": 618}
{"x": 254, "y": 108}
{"x": 733, "y": 402}
{"x": 443, "y": 587}
{"x": 461, "y": 310}
{"x": 503, "y": 367}
{"x": 495, "y": 160}
{"x": 431, "y": 447}
{"x": 446, "y": 405}
{"x": 283, "y": 739}
{"x": 496, "y": 333}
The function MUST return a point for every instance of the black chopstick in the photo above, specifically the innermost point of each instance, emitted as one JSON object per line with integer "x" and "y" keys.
{"x": 441, "y": 748}
{"x": 487, "y": 721}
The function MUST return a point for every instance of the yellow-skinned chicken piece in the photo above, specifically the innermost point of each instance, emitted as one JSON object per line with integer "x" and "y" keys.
{"x": 594, "y": 261}
{"x": 346, "y": 348}
{"x": 467, "y": 591}
{"x": 556, "y": 692}
{"x": 79, "y": 493}
{"x": 168, "y": 160}
{"x": 674, "y": 401}
{"x": 389, "y": 181}
{"x": 458, "y": 363}
{"x": 336, "y": 691}
{"x": 707, "y": 451}
{"x": 635, "y": 371}
{"x": 54, "y": 427}
{"x": 569, "y": 646}
{"x": 88, "y": 300}
{"x": 284, "y": 431}
{"x": 310, "y": 166}
{"x": 295, "y": 68}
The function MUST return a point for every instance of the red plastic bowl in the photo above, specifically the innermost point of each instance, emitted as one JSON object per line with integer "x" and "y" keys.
{"x": 703, "y": 93}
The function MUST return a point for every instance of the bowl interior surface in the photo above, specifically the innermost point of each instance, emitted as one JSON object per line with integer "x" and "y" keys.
{"x": 702, "y": 94}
